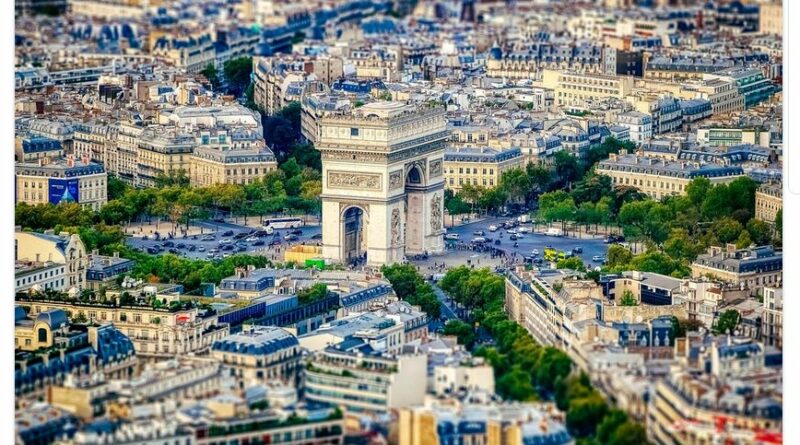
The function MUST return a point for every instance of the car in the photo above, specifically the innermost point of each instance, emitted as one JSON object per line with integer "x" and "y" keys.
{"x": 192, "y": 248}
{"x": 210, "y": 254}
{"x": 610, "y": 239}
{"x": 226, "y": 247}
{"x": 241, "y": 249}
{"x": 493, "y": 228}
{"x": 213, "y": 250}
{"x": 153, "y": 251}
{"x": 227, "y": 233}
{"x": 296, "y": 232}
{"x": 520, "y": 235}
{"x": 173, "y": 251}
{"x": 168, "y": 244}
{"x": 598, "y": 258}
{"x": 524, "y": 229}
{"x": 479, "y": 233}
{"x": 258, "y": 243}
{"x": 241, "y": 235}
{"x": 317, "y": 236}
{"x": 260, "y": 233}
{"x": 226, "y": 255}
{"x": 535, "y": 252}
{"x": 251, "y": 239}
{"x": 201, "y": 249}
{"x": 275, "y": 242}
{"x": 577, "y": 249}
{"x": 208, "y": 238}
{"x": 226, "y": 241}
{"x": 145, "y": 238}
{"x": 291, "y": 237}
{"x": 513, "y": 237}
{"x": 180, "y": 246}
{"x": 451, "y": 236}
{"x": 512, "y": 231}
{"x": 478, "y": 240}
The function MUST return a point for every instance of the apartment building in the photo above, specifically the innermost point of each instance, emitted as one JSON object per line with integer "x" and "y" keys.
{"x": 639, "y": 125}
{"x": 39, "y": 276}
{"x": 659, "y": 177}
{"x": 480, "y": 167}
{"x": 727, "y": 137}
{"x": 480, "y": 420}
{"x": 161, "y": 150}
{"x": 65, "y": 249}
{"x": 737, "y": 398}
{"x": 772, "y": 320}
{"x": 752, "y": 268}
{"x": 360, "y": 382}
{"x": 61, "y": 180}
{"x": 384, "y": 63}
{"x": 49, "y": 351}
{"x": 721, "y": 92}
{"x": 539, "y": 56}
{"x": 576, "y": 89}
{"x": 155, "y": 333}
{"x": 260, "y": 355}
{"x": 770, "y": 18}
{"x": 33, "y": 148}
{"x": 769, "y": 201}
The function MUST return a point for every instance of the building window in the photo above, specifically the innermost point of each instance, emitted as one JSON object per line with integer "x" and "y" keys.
{"x": 354, "y": 132}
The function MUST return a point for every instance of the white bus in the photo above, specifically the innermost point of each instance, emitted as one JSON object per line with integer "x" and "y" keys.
{"x": 289, "y": 222}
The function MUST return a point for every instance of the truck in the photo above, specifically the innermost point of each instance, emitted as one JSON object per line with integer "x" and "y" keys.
{"x": 524, "y": 219}
{"x": 554, "y": 232}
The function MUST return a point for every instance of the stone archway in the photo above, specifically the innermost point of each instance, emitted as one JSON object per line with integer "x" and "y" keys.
{"x": 353, "y": 232}
{"x": 415, "y": 208}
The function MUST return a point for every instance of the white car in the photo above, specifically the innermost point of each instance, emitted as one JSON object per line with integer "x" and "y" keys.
{"x": 493, "y": 228}
{"x": 451, "y": 236}
{"x": 225, "y": 241}
{"x": 512, "y": 231}
{"x": 524, "y": 229}
{"x": 535, "y": 251}
{"x": 251, "y": 239}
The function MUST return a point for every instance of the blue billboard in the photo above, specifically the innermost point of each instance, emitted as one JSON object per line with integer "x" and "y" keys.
{"x": 63, "y": 190}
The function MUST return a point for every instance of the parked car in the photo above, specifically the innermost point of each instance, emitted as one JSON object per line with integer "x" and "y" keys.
{"x": 317, "y": 236}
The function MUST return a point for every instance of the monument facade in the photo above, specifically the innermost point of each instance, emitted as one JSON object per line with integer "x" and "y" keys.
{"x": 382, "y": 185}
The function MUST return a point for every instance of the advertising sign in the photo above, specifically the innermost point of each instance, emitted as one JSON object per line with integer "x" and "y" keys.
{"x": 63, "y": 190}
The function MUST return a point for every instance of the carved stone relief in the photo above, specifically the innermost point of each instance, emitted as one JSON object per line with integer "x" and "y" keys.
{"x": 436, "y": 212}
{"x": 395, "y": 180}
{"x": 397, "y": 229}
{"x": 352, "y": 180}
{"x": 436, "y": 168}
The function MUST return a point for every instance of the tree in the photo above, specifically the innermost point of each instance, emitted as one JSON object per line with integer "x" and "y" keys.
{"x": 573, "y": 263}
{"x": 237, "y": 74}
{"x": 727, "y": 322}
{"x": 629, "y": 433}
{"x": 210, "y": 72}
{"x": 516, "y": 384}
{"x": 606, "y": 428}
{"x": 566, "y": 167}
{"x": 312, "y": 294}
{"x": 516, "y": 184}
{"x": 628, "y": 299}
{"x": 760, "y": 232}
{"x": 697, "y": 190}
{"x": 463, "y": 331}
{"x": 584, "y": 413}
{"x": 779, "y": 222}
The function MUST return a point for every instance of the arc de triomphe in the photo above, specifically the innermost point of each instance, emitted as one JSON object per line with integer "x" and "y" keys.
{"x": 382, "y": 184}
